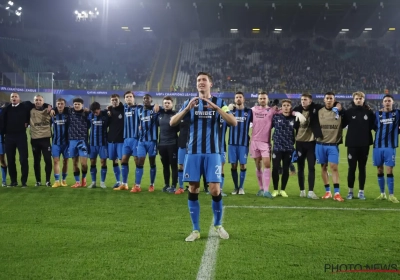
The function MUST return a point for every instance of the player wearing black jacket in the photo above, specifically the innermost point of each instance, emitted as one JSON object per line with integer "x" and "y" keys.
{"x": 115, "y": 136}
{"x": 360, "y": 121}
{"x": 168, "y": 145}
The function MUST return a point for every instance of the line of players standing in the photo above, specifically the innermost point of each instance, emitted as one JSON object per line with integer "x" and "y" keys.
{"x": 128, "y": 130}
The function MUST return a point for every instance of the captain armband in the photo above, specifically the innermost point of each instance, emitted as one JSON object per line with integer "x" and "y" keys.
{"x": 225, "y": 109}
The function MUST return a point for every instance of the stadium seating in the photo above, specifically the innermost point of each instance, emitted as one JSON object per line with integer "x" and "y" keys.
{"x": 78, "y": 65}
{"x": 293, "y": 66}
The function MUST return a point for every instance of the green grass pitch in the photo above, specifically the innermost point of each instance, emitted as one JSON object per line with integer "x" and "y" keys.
{"x": 69, "y": 233}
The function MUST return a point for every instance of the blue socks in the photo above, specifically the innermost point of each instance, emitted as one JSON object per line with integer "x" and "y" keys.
{"x": 64, "y": 176}
{"x": 139, "y": 174}
{"x": 327, "y": 188}
{"x": 242, "y": 177}
{"x": 194, "y": 210}
{"x": 57, "y": 177}
{"x": 217, "y": 209}
{"x": 235, "y": 178}
{"x": 117, "y": 172}
{"x": 381, "y": 182}
{"x": 76, "y": 176}
{"x": 336, "y": 188}
{"x": 93, "y": 172}
{"x": 4, "y": 173}
{"x": 153, "y": 172}
{"x": 103, "y": 173}
{"x": 124, "y": 171}
{"x": 390, "y": 183}
{"x": 180, "y": 178}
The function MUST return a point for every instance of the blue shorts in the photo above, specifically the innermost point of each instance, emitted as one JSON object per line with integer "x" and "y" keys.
{"x": 78, "y": 148}
{"x": 208, "y": 165}
{"x": 223, "y": 157}
{"x": 101, "y": 151}
{"x": 130, "y": 147}
{"x": 147, "y": 147}
{"x": 2, "y": 149}
{"x": 58, "y": 150}
{"x": 384, "y": 156}
{"x": 326, "y": 153}
{"x": 238, "y": 153}
{"x": 181, "y": 155}
{"x": 115, "y": 151}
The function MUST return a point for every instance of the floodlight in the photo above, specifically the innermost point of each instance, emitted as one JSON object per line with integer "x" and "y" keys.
{"x": 10, "y": 3}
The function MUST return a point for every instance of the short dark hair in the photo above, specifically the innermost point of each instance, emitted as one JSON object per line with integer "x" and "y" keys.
{"x": 129, "y": 92}
{"x": 286, "y": 101}
{"x": 262, "y": 93}
{"x": 306, "y": 94}
{"x": 77, "y": 100}
{"x": 329, "y": 93}
{"x": 147, "y": 95}
{"x": 95, "y": 106}
{"x": 239, "y": 92}
{"x": 168, "y": 98}
{"x": 205, "y": 73}
{"x": 61, "y": 100}
{"x": 115, "y": 96}
{"x": 387, "y": 96}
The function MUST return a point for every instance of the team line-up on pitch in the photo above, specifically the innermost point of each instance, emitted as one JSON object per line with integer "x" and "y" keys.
{"x": 191, "y": 143}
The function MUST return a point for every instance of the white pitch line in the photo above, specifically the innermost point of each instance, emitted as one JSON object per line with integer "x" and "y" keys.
{"x": 209, "y": 259}
{"x": 314, "y": 208}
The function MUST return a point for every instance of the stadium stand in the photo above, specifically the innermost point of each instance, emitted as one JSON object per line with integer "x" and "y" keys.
{"x": 76, "y": 65}
{"x": 297, "y": 66}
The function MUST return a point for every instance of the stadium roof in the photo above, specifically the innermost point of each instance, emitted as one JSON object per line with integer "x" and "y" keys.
{"x": 321, "y": 17}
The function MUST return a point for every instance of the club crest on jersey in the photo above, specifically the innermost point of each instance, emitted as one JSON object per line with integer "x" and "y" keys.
{"x": 245, "y": 114}
{"x": 120, "y": 116}
{"x": 291, "y": 123}
{"x": 273, "y": 156}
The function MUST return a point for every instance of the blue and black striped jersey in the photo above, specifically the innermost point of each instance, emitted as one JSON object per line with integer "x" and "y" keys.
{"x": 60, "y": 128}
{"x": 239, "y": 135}
{"x": 131, "y": 122}
{"x": 148, "y": 124}
{"x": 98, "y": 129}
{"x": 387, "y": 129}
{"x": 204, "y": 127}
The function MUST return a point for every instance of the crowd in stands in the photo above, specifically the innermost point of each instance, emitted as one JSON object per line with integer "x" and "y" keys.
{"x": 316, "y": 65}
{"x": 82, "y": 64}
{"x": 301, "y": 65}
